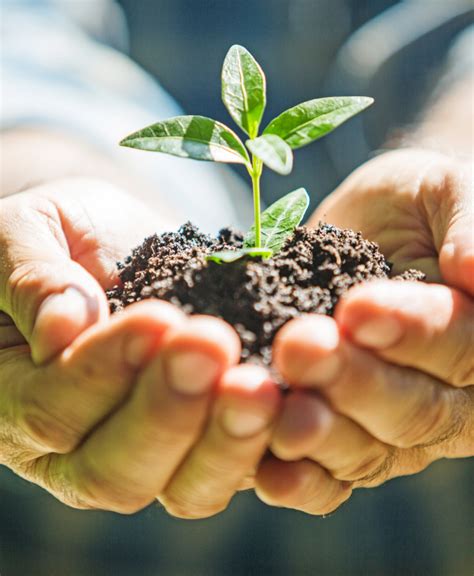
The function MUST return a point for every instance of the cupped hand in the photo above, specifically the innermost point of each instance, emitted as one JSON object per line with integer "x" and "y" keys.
{"x": 111, "y": 413}
{"x": 386, "y": 387}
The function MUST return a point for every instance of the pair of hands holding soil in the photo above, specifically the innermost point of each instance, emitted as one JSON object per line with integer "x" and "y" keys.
{"x": 114, "y": 412}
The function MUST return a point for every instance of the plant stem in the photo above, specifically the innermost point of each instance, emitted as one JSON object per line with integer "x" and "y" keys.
{"x": 255, "y": 175}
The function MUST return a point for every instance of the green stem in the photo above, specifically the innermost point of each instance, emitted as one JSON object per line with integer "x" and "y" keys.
{"x": 255, "y": 175}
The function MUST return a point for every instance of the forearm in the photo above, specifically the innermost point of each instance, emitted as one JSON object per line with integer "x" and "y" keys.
{"x": 448, "y": 124}
{"x": 34, "y": 155}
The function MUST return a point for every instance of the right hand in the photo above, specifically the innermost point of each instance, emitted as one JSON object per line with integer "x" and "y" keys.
{"x": 111, "y": 413}
{"x": 386, "y": 387}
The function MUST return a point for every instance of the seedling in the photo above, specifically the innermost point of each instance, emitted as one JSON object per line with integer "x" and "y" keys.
{"x": 244, "y": 96}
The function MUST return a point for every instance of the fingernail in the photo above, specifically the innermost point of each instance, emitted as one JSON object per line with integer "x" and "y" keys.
{"x": 322, "y": 371}
{"x": 191, "y": 372}
{"x": 60, "y": 319}
{"x": 378, "y": 333}
{"x": 241, "y": 424}
{"x": 72, "y": 302}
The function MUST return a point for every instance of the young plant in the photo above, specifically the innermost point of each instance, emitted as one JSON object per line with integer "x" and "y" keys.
{"x": 244, "y": 96}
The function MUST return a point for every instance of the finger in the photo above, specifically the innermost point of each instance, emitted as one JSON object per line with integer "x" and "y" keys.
{"x": 50, "y": 297}
{"x": 456, "y": 254}
{"x": 307, "y": 337}
{"x": 132, "y": 456}
{"x": 425, "y": 326}
{"x": 248, "y": 483}
{"x": 233, "y": 444}
{"x": 308, "y": 428}
{"x": 302, "y": 485}
{"x": 399, "y": 406}
{"x": 57, "y": 405}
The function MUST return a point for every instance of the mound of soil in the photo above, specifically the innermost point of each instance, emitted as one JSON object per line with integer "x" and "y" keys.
{"x": 310, "y": 274}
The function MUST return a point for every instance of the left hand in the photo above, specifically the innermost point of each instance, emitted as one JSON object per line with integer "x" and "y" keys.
{"x": 385, "y": 388}
{"x": 112, "y": 413}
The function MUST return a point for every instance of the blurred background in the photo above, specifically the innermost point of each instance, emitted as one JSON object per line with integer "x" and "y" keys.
{"x": 307, "y": 50}
{"x": 396, "y": 52}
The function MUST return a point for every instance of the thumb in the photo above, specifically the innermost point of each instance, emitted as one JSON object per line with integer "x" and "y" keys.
{"x": 51, "y": 298}
{"x": 456, "y": 255}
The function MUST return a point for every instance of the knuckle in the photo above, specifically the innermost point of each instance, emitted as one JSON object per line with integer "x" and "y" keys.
{"x": 95, "y": 490}
{"x": 178, "y": 418}
{"x": 22, "y": 287}
{"x": 181, "y": 507}
{"x": 293, "y": 498}
{"x": 285, "y": 450}
{"x": 49, "y": 472}
{"x": 295, "y": 442}
{"x": 129, "y": 508}
{"x": 328, "y": 508}
{"x": 176, "y": 431}
{"x": 463, "y": 365}
{"x": 350, "y": 385}
{"x": 26, "y": 211}
{"x": 366, "y": 470}
{"x": 303, "y": 488}
{"x": 47, "y": 432}
{"x": 328, "y": 501}
{"x": 463, "y": 376}
{"x": 427, "y": 422}
{"x": 126, "y": 508}
{"x": 92, "y": 376}
{"x": 22, "y": 277}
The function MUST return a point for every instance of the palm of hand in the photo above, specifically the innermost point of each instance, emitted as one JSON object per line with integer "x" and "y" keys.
{"x": 86, "y": 227}
{"x": 415, "y": 205}
{"x": 394, "y": 370}
{"x": 412, "y": 204}
{"x": 106, "y": 412}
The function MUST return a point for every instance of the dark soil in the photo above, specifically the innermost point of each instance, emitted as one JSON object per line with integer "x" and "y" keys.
{"x": 310, "y": 274}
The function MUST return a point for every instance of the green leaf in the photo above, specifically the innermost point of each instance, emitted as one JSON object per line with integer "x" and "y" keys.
{"x": 243, "y": 89}
{"x": 194, "y": 137}
{"x": 311, "y": 120}
{"x": 273, "y": 151}
{"x": 280, "y": 220}
{"x": 233, "y": 255}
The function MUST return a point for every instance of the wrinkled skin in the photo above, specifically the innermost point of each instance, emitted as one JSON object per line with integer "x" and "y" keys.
{"x": 112, "y": 413}
{"x": 386, "y": 387}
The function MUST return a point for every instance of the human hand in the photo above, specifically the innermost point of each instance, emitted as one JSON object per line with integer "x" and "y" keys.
{"x": 112, "y": 413}
{"x": 385, "y": 388}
